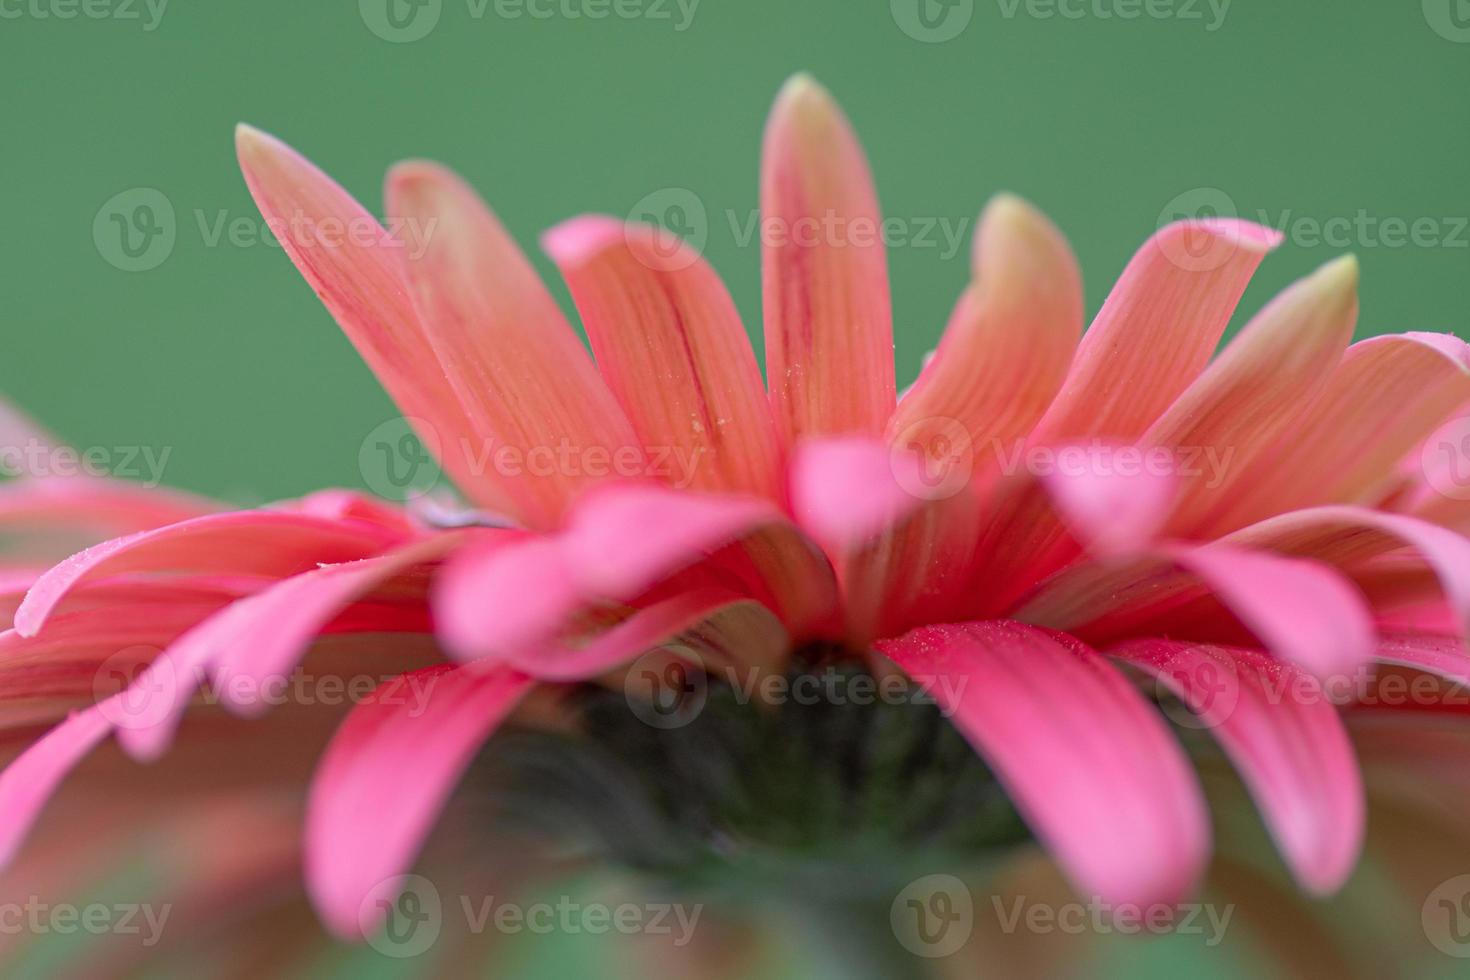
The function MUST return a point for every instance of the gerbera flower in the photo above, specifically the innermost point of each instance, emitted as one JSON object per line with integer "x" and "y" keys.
{"x": 1051, "y": 534}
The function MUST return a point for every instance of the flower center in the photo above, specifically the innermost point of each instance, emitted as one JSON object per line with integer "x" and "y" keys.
{"x": 826, "y": 779}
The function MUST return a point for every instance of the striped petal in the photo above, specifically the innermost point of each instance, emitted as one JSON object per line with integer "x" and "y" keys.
{"x": 1085, "y": 759}
{"x": 671, "y": 346}
{"x": 1157, "y": 329}
{"x": 356, "y": 268}
{"x": 30, "y": 781}
{"x": 509, "y": 354}
{"x": 1284, "y": 736}
{"x": 824, "y": 266}
{"x": 384, "y": 778}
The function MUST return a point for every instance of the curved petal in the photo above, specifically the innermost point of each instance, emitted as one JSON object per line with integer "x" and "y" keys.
{"x": 1278, "y": 363}
{"x": 1157, "y": 329}
{"x": 824, "y": 270}
{"x": 1286, "y": 739}
{"x": 1011, "y": 339}
{"x": 1087, "y": 762}
{"x": 670, "y": 344}
{"x": 621, "y": 541}
{"x": 384, "y": 778}
{"x": 512, "y": 358}
{"x": 261, "y": 637}
{"x": 242, "y": 543}
{"x": 1302, "y": 611}
{"x": 848, "y": 490}
{"x": 31, "y": 780}
{"x": 1345, "y": 447}
{"x": 356, "y": 268}
{"x": 1113, "y": 510}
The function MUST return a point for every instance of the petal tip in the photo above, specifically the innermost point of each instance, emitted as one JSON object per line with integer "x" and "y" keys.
{"x": 574, "y": 241}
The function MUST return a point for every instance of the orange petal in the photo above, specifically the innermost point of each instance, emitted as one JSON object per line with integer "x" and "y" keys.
{"x": 1277, "y": 365}
{"x": 671, "y": 346}
{"x": 1384, "y": 398}
{"x": 1011, "y": 338}
{"x": 829, "y": 325}
{"x": 509, "y": 354}
{"x": 355, "y": 267}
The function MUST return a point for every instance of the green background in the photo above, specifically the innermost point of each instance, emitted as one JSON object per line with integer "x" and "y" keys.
{"x": 1304, "y": 109}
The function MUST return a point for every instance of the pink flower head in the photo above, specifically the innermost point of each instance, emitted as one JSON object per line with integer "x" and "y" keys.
{"x": 1051, "y": 533}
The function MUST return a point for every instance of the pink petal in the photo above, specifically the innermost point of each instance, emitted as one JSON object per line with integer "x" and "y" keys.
{"x": 241, "y": 543}
{"x": 824, "y": 266}
{"x": 384, "y": 778}
{"x": 1285, "y": 738}
{"x": 1113, "y": 510}
{"x": 671, "y": 346}
{"x": 1010, "y": 340}
{"x": 509, "y": 354}
{"x": 845, "y": 491}
{"x": 1303, "y": 611}
{"x": 1349, "y": 536}
{"x": 1157, "y": 329}
{"x": 1442, "y": 656}
{"x": 261, "y": 637}
{"x": 621, "y": 541}
{"x": 356, "y": 268}
{"x": 29, "y": 782}
{"x": 1085, "y": 759}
